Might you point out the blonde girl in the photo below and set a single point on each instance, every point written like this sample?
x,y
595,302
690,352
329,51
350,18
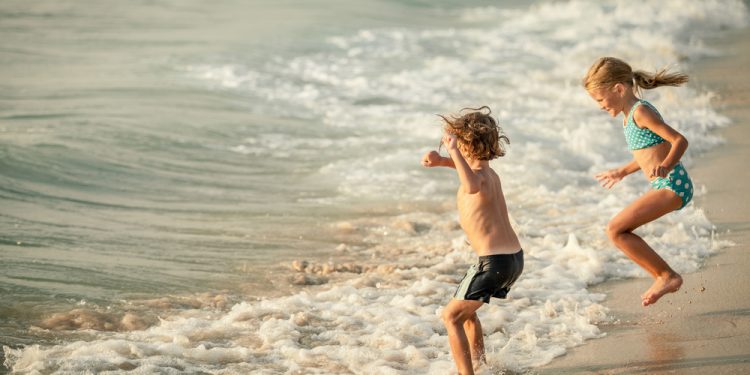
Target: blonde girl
x,y
657,149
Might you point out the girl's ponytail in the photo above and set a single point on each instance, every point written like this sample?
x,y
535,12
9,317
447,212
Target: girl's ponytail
x,y
648,81
609,71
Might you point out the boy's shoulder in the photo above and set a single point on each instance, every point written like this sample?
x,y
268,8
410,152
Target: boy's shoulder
x,y
491,175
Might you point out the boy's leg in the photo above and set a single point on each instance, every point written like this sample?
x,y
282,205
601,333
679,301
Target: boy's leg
x,y
649,207
474,334
454,316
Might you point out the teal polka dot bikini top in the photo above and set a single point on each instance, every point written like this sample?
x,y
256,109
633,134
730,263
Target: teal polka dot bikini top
x,y
638,138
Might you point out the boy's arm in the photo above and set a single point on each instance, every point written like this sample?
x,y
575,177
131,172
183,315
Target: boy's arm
x,y
433,159
470,182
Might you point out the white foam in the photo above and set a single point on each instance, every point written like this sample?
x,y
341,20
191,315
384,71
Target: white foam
x,y
387,329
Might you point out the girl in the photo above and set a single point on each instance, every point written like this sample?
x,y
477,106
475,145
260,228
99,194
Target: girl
x,y
657,149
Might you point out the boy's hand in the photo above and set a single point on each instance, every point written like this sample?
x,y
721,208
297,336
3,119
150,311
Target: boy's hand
x,y
431,159
609,178
450,141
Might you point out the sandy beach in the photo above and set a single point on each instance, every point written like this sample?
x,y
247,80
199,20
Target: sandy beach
x,y
705,327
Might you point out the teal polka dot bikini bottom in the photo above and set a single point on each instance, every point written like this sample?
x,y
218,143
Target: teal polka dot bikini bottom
x,y
678,181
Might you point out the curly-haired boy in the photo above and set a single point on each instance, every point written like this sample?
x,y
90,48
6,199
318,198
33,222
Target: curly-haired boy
x,y
473,139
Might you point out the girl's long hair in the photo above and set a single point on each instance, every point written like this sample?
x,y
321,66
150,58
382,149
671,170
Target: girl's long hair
x,y
609,71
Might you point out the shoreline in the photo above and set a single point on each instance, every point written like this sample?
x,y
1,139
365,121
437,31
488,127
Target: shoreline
x,y
705,327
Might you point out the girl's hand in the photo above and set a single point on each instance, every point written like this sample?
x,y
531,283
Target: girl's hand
x,y
450,141
659,171
431,159
609,178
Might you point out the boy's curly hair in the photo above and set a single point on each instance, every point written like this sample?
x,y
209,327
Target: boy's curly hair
x,y
477,133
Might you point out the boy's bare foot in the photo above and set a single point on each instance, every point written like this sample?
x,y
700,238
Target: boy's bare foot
x,y
660,287
478,363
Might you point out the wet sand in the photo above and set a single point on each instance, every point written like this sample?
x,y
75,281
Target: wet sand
x,y
705,327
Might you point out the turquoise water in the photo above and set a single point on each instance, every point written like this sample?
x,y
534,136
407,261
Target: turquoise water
x,y
123,175
167,167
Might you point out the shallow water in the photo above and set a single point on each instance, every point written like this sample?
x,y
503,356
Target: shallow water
x,y
165,163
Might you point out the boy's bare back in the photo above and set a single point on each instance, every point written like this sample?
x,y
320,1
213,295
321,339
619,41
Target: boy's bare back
x,y
484,216
472,140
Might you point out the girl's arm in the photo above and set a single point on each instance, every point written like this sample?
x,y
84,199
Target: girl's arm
x,y
433,159
649,119
630,168
611,177
470,181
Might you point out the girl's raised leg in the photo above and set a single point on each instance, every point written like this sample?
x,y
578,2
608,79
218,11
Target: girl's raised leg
x,y
649,207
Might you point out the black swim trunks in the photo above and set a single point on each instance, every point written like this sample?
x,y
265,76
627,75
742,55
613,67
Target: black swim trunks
x,y
492,276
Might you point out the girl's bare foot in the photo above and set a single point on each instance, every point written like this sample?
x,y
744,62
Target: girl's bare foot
x,y
661,286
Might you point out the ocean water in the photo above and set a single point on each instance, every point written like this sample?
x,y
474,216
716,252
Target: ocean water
x,y
234,187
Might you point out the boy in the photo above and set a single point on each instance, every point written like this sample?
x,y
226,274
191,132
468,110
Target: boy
x,y
474,139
